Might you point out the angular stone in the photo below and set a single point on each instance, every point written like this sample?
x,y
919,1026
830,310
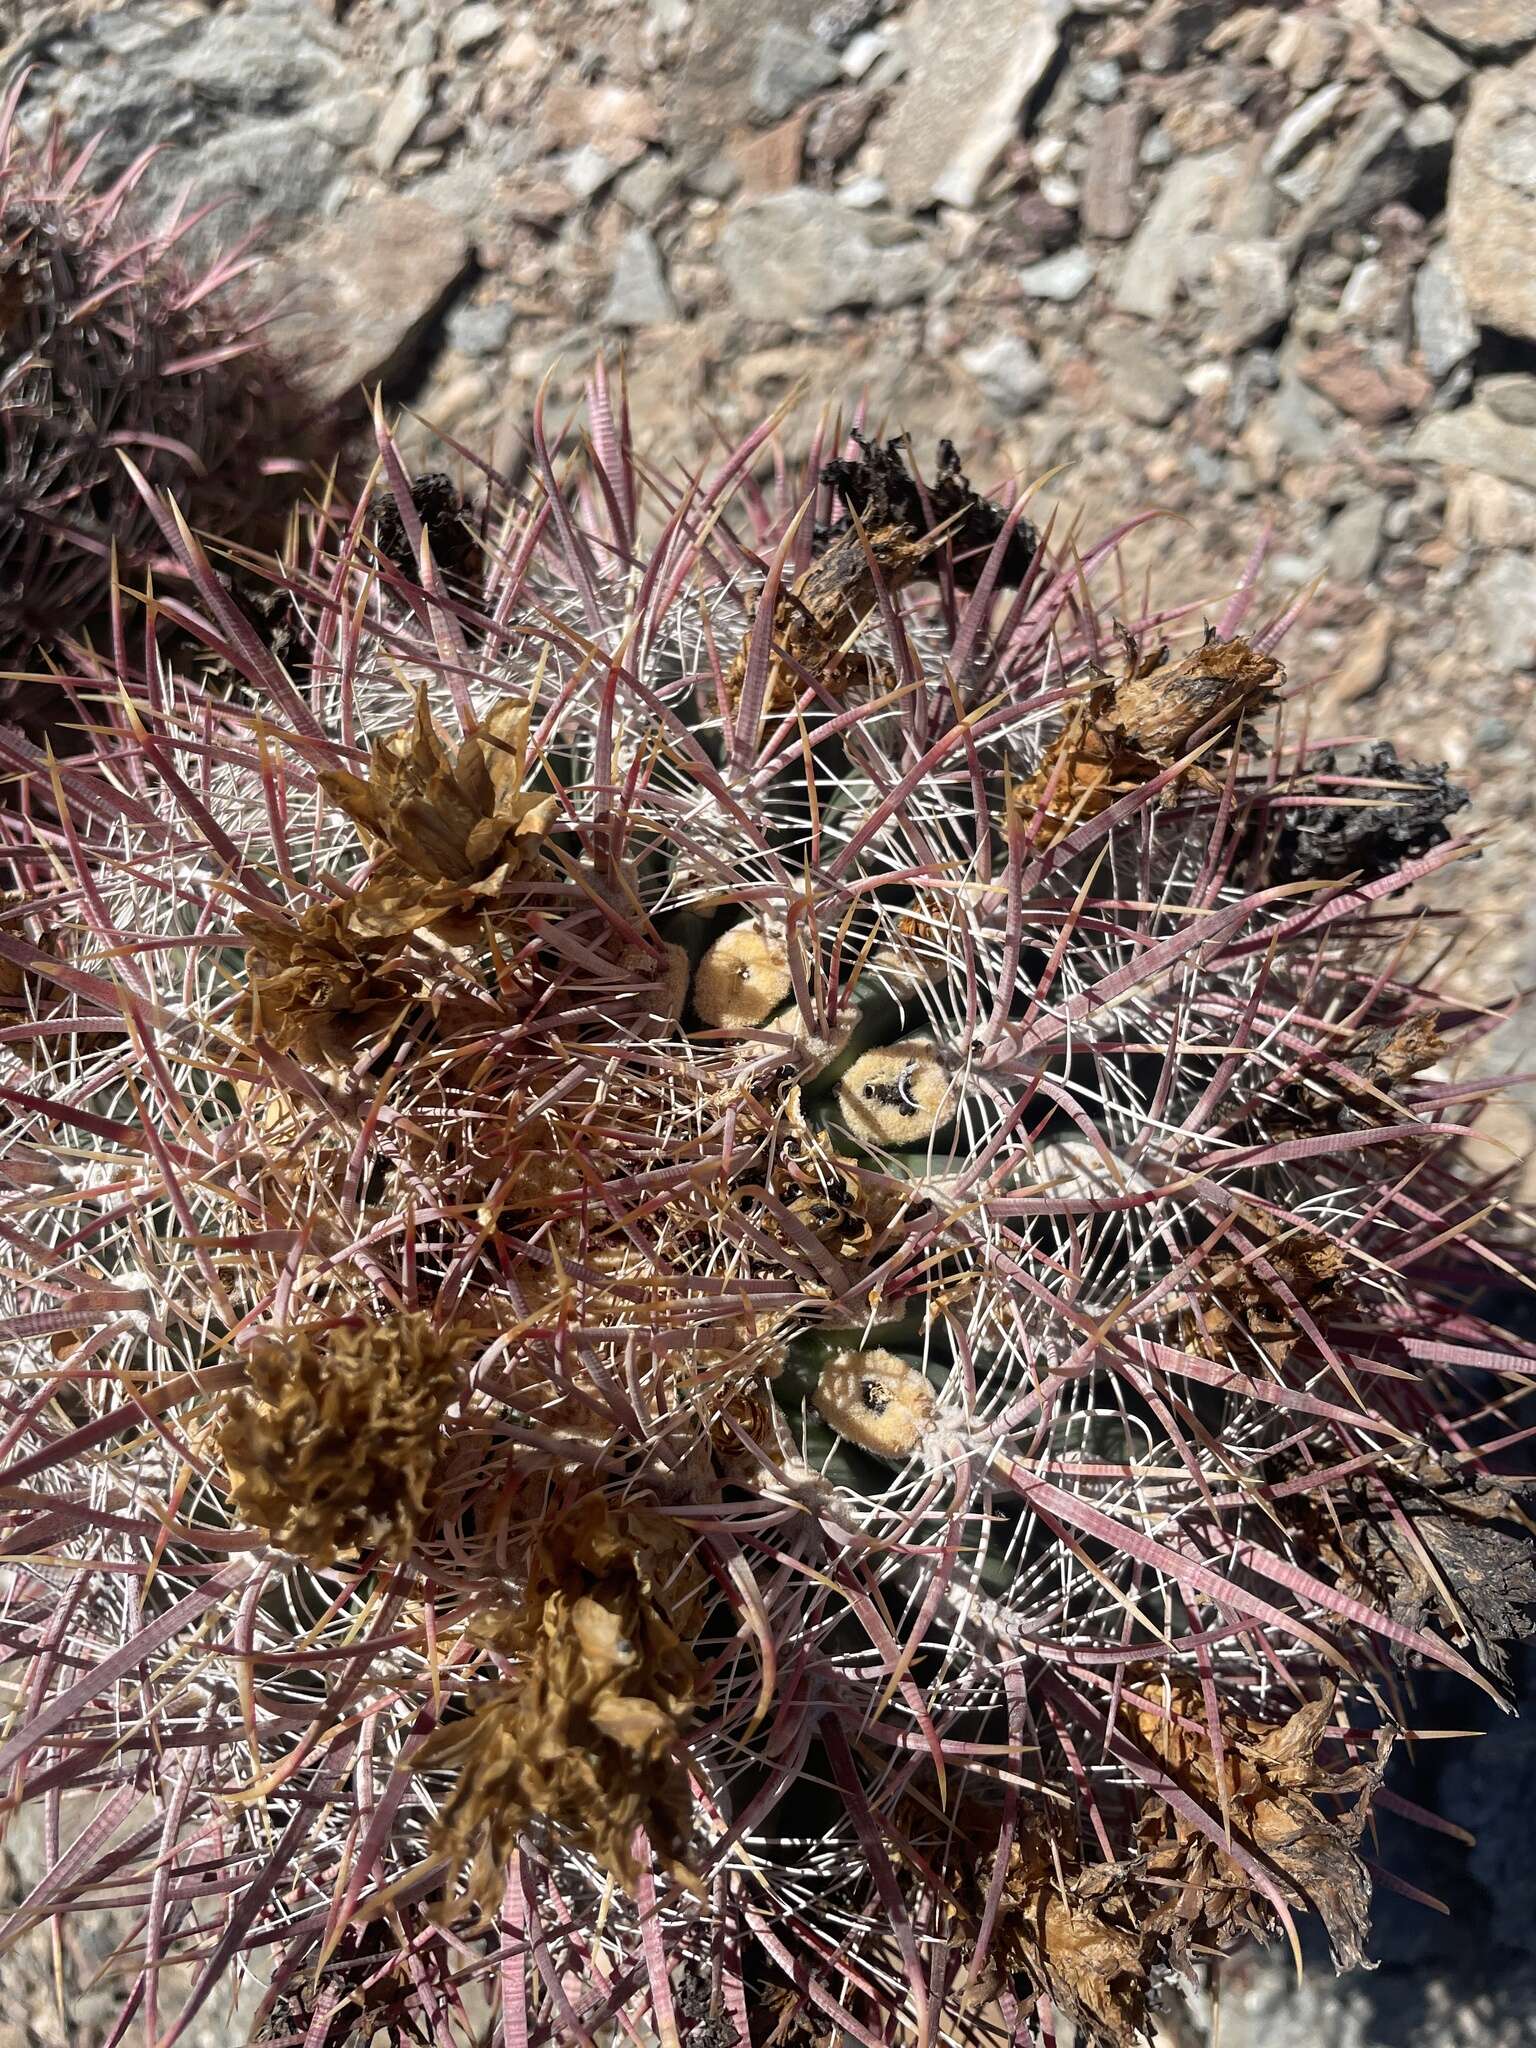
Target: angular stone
x,y
1484,511
768,160
1482,26
638,293
1008,372
1475,438
1512,396
1108,209
1062,277
1370,384
1191,196
480,330
789,68
1300,125
646,186
1353,540
1423,63
1443,326
1367,657
1140,382
1251,284
1504,598
473,25
366,286
1374,162
975,65
409,105
1491,210
802,253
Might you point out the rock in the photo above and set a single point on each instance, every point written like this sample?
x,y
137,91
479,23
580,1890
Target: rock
x,y
1108,209
1443,326
1374,301
1189,200
1375,162
645,188
1063,277
473,25
1373,384
1487,512
587,170
1491,209
1300,125
789,68
1251,284
347,120
1512,396
1173,32
840,21
1353,539
409,105
416,50
836,127
1482,26
615,118
802,254
1367,657
1100,82
480,330
638,294
768,160
975,64
1008,372
1476,438
1140,382
365,289
1423,63
1431,128
1307,48
1503,595
862,53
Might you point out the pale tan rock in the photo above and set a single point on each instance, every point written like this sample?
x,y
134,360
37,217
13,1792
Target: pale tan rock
x,y
1491,210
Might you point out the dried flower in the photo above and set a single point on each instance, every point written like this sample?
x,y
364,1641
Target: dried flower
x,y
334,1446
584,1739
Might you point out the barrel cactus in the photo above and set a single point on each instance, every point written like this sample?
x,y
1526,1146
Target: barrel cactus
x,y
110,344
740,1282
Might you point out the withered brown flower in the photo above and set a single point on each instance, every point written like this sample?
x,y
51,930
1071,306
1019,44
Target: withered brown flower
x,y
584,1736
317,986
458,816
334,1446
1129,731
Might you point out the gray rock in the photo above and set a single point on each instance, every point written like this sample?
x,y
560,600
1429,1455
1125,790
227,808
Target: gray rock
x,y
1251,284
862,54
1188,202
417,49
1473,437
789,68
473,25
638,294
1100,82
1374,301
1375,162
1503,595
1141,382
1443,326
586,171
480,330
1008,372
645,187
1301,125
365,288
800,254
1423,63
1353,539
1431,128
975,63
1482,26
840,21
257,61
409,105
347,120
1512,396
1063,277
1491,210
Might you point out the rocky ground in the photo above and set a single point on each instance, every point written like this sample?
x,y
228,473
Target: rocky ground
x,y
1268,267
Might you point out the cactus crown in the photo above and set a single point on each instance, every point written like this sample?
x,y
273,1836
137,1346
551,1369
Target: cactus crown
x,y
747,1303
